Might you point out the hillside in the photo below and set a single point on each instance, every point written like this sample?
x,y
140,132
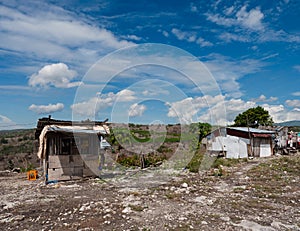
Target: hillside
x,y
17,149
293,123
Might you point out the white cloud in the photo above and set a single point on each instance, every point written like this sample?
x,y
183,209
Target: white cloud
x,y
190,37
100,102
45,109
232,108
252,19
229,10
229,37
125,96
7,124
228,71
248,26
193,8
57,75
203,43
165,33
277,112
136,110
263,98
245,19
296,93
211,109
133,37
297,67
5,120
293,115
293,103
47,31
186,110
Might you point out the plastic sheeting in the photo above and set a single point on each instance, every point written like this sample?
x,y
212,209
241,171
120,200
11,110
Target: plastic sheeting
x,y
104,130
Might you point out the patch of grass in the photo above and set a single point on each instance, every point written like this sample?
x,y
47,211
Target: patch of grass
x,y
271,178
151,159
195,162
171,195
27,168
137,208
238,190
130,160
227,162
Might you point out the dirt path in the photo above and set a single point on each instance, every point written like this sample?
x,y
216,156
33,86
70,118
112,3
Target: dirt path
x,y
257,195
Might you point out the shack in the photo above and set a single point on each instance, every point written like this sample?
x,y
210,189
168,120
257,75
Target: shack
x,y
70,150
242,142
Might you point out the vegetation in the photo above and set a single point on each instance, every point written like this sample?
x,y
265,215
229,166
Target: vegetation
x,y
135,160
201,130
254,117
16,141
17,148
195,162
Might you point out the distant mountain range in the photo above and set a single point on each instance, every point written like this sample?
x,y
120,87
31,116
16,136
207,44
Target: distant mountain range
x,y
293,123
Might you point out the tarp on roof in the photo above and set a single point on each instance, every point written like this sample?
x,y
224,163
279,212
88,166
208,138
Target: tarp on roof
x,y
103,130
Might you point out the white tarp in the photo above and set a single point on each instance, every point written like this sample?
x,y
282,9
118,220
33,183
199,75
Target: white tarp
x,y
265,150
104,129
234,147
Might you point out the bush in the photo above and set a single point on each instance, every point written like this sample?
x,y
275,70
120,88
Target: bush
x,y
195,162
3,141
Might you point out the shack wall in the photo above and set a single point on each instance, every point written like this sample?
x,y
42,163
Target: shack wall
x,y
69,157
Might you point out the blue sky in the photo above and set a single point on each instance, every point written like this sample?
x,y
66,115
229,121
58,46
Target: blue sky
x,y
205,61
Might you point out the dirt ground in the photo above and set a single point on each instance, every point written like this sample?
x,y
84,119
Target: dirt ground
x,y
260,194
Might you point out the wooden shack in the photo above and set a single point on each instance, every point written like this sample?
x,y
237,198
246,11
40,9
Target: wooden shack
x,y
259,141
70,150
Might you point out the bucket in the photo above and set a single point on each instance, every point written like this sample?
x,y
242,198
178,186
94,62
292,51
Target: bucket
x,y
32,174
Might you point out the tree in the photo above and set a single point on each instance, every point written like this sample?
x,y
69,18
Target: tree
x,y
202,129
253,117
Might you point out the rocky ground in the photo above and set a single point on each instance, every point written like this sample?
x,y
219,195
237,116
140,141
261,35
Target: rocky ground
x,y
260,194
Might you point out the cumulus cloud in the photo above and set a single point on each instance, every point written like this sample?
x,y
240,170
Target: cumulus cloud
x,y
58,75
211,109
246,19
125,95
226,117
100,102
45,109
136,110
277,112
293,103
263,98
293,115
251,19
187,109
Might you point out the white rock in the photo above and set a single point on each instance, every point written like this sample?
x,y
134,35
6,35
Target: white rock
x,y
184,185
126,210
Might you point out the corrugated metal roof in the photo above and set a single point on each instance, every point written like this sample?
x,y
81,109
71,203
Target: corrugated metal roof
x,y
252,130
